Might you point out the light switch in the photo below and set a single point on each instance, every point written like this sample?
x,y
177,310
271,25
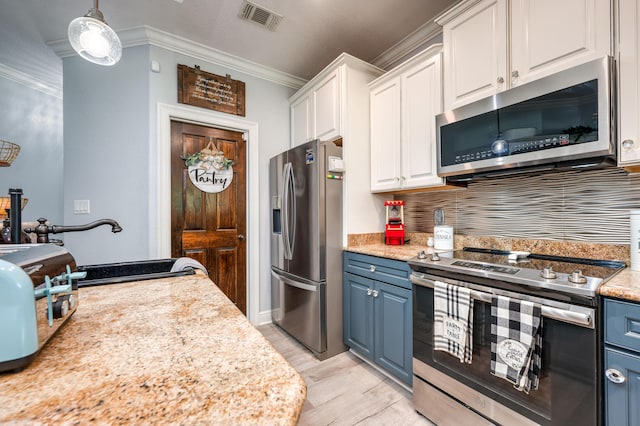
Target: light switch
x,y
81,207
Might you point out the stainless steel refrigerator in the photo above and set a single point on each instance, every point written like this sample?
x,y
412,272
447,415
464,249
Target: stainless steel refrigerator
x,y
306,245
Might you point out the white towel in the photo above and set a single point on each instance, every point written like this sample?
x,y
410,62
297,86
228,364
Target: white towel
x,y
516,342
183,263
453,320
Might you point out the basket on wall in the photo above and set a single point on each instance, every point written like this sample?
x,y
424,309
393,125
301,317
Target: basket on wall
x,y
8,152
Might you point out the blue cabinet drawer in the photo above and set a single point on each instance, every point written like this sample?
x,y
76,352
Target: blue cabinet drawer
x,y
622,324
378,268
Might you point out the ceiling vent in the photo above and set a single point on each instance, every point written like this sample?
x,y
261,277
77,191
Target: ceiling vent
x,y
259,15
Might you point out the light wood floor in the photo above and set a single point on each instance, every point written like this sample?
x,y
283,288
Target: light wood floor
x,y
344,390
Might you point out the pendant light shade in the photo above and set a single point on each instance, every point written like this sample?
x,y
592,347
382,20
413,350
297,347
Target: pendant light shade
x,y
93,39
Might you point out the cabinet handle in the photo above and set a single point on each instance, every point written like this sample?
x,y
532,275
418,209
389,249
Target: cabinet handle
x,y
615,376
369,291
372,268
500,80
627,144
375,293
515,74
404,178
397,179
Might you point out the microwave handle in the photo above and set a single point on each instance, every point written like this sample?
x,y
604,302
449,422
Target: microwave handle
x,y
583,318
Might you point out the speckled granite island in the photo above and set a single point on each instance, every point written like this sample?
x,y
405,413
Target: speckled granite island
x,y
167,351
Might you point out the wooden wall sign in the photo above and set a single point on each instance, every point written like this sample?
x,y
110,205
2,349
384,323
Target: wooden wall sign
x,y
206,90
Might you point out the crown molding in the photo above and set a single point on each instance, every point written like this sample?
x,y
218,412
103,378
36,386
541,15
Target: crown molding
x,y
408,46
143,35
30,81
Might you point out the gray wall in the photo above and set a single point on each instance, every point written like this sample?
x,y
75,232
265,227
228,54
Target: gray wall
x,y
106,125
33,120
110,116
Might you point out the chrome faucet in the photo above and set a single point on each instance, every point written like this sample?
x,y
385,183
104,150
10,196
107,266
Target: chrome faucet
x,y
43,230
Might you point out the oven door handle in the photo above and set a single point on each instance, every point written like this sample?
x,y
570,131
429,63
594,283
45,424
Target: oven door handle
x,y
577,315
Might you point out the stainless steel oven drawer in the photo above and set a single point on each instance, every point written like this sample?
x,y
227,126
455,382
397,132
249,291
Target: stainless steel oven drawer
x,y
435,407
449,412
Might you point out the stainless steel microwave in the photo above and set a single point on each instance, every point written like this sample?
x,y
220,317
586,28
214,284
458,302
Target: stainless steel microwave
x,y
563,120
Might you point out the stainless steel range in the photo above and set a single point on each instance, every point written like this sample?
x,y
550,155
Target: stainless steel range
x,y
449,391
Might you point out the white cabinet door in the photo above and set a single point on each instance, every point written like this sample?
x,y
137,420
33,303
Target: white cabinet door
x,y
548,36
326,99
475,53
385,136
482,57
629,87
421,101
301,114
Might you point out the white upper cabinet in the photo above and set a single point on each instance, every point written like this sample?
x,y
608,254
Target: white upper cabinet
x,y
475,52
628,84
301,120
326,98
318,109
483,57
385,135
404,104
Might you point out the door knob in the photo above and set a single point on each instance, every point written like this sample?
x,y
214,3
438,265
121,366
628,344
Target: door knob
x,y
241,237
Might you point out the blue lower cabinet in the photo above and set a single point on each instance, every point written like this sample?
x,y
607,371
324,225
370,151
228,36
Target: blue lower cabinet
x,y
358,311
622,387
377,314
622,362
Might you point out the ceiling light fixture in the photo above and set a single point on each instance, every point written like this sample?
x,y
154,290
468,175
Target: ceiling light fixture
x,y
93,39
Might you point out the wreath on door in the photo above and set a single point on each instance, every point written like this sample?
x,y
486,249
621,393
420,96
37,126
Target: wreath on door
x,y
209,170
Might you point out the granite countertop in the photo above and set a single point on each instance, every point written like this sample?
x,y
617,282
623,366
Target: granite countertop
x,y
155,352
625,285
399,252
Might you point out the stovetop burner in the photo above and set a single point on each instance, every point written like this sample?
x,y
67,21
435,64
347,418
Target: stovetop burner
x,y
565,274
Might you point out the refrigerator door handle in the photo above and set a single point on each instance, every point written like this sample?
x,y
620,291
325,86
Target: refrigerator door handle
x,y
302,286
285,211
292,235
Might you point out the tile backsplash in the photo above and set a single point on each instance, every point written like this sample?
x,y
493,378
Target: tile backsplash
x,y
590,206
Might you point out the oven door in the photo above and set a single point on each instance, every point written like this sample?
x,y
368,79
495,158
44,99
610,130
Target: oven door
x,y
569,386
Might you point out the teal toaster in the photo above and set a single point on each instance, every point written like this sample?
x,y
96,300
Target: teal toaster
x,y
39,287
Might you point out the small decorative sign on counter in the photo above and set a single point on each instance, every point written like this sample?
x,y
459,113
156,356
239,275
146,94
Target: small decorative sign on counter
x,y
211,91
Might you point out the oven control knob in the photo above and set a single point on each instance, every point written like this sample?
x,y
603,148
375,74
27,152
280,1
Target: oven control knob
x,y
548,273
435,257
576,277
500,147
422,255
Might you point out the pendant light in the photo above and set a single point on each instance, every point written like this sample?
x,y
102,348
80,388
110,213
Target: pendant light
x,y
93,39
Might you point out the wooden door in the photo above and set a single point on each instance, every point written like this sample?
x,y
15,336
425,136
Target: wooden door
x,y
210,227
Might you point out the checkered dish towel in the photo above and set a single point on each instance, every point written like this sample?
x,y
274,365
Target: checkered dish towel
x,y
516,342
453,320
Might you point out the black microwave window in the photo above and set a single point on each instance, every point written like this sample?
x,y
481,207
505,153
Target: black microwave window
x,y
564,117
